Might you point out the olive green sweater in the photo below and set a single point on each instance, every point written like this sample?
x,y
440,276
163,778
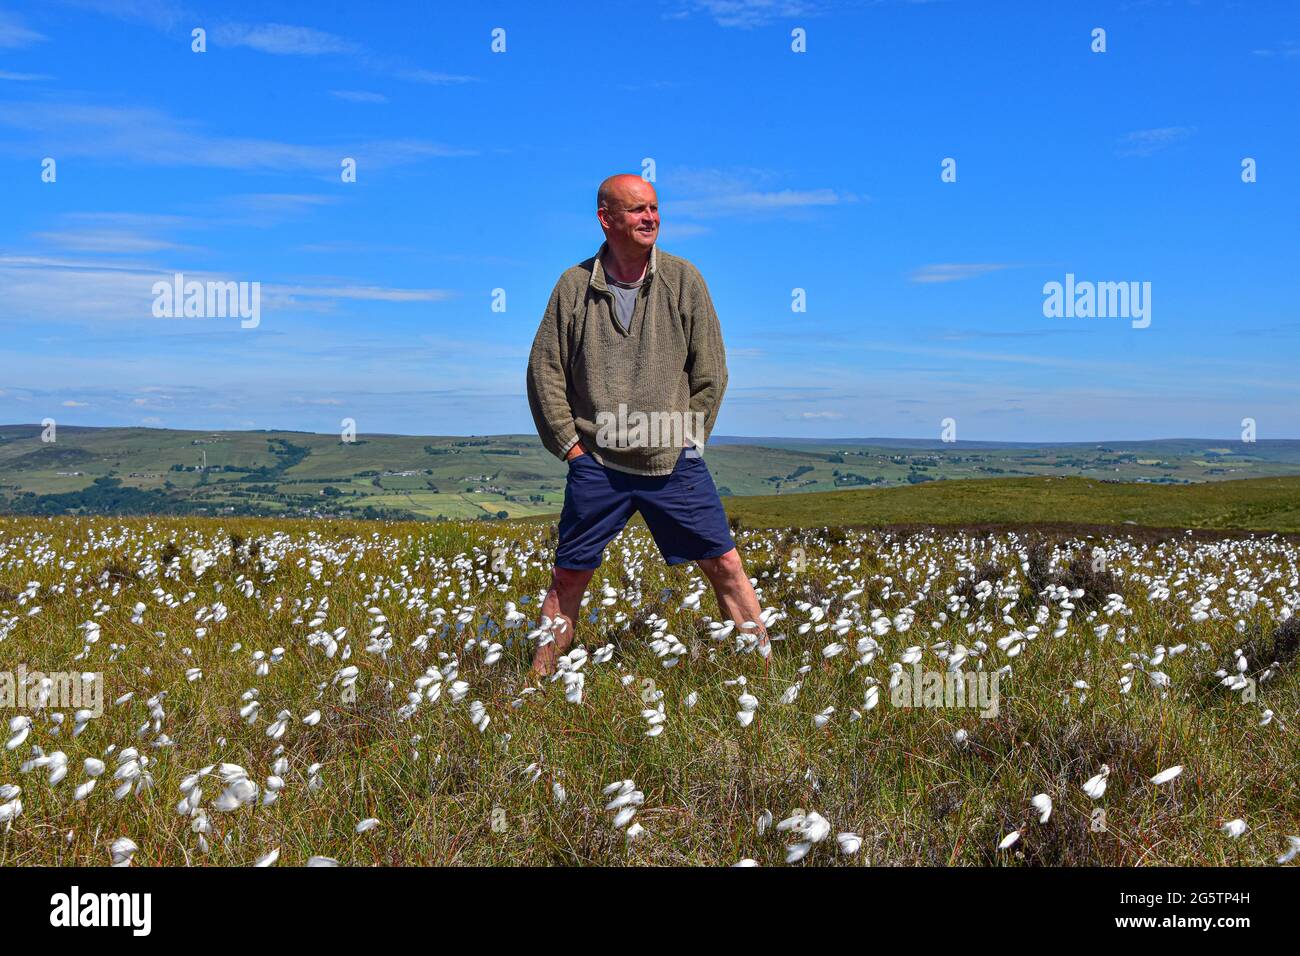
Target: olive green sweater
x,y
668,370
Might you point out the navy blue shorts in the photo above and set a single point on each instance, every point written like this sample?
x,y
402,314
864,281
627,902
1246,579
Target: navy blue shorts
x,y
682,510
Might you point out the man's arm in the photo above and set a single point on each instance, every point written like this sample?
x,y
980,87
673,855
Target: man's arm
x,y
548,396
706,362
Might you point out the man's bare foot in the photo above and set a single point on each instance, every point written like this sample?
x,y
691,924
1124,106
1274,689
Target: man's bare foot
x,y
545,660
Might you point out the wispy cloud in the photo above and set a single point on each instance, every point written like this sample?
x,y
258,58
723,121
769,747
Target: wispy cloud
x,y
276,39
1144,142
359,96
130,233
434,78
150,137
88,289
1287,48
745,14
962,335
115,241
24,77
714,193
755,201
816,416
281,39
956,271
13,34
278,206
676,230
363,293
162,15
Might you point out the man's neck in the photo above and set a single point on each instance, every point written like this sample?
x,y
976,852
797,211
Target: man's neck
x,y
630,269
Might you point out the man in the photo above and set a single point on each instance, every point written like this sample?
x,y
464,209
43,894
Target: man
x,y
625,378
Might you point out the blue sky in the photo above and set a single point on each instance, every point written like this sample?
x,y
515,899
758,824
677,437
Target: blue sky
x,y
776,170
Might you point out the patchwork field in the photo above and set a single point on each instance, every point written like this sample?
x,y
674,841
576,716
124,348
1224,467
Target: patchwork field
x,y
128,471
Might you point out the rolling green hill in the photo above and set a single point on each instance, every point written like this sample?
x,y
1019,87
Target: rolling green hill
x,y
167,471
1257,504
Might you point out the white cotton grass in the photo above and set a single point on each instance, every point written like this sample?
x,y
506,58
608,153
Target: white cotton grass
x,y
625,799
748,704
1234,828
1095,787
808,828
656,719
11,805
1166,775
123,851
283,653
1042,804
1291,852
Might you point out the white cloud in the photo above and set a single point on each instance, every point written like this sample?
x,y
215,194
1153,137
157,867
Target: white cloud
x,y
715,193
754,201
1144,142
14,34
276,39
106,240
92,290
747,14
956,271
150,137
1287,48
281,39
364,293
359,96
435,78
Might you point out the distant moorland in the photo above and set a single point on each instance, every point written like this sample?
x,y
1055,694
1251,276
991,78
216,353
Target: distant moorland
x,y
287,473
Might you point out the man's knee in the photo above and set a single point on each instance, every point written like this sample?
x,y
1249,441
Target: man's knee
x,y
723,567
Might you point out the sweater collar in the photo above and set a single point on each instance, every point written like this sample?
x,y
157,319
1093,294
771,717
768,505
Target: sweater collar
x,y
597,280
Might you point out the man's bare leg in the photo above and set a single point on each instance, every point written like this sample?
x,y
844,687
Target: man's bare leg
x,y
736,597
563,604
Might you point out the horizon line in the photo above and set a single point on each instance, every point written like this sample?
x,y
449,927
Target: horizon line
x,y
715,439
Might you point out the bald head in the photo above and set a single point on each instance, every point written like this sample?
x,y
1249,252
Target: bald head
x,y
623,189
628,209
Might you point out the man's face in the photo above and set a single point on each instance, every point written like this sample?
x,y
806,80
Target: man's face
x,y
632,219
